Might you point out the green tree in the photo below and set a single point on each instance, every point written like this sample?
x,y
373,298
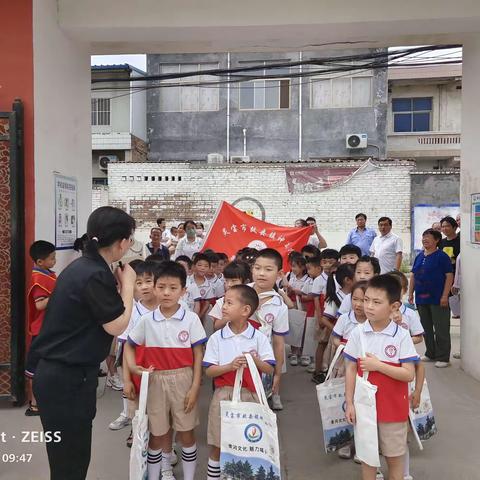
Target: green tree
x,y
261,473
271,474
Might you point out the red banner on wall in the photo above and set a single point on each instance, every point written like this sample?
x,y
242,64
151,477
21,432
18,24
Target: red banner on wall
x,y
233,230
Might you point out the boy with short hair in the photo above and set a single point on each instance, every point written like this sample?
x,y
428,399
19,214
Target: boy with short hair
x,y
42,283
191,299
350,254
225,355
310,251
235,273
389,358
271,317
216,282
201,267
172,340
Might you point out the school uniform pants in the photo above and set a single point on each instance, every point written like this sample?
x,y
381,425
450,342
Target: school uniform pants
x,y
66,397
436,323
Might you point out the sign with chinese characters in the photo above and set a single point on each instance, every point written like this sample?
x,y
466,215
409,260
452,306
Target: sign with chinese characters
x,y
317,179
66,212
232,230
475,235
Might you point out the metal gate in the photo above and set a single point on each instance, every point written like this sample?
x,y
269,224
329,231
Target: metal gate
x,y
12,255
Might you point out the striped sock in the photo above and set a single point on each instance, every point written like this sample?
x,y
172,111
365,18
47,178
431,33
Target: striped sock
x,y
189,461
154,464
213,472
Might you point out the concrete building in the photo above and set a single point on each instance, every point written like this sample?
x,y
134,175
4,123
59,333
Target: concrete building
x,y
118,119
424,115
274,120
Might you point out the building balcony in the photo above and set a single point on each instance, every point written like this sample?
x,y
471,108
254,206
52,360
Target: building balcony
x,y
424,145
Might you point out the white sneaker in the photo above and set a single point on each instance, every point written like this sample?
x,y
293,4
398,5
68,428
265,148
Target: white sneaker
x,y
168,475
173,458
356,459
424,358
379,475
311,368
407,477
121,422
305,361
345,452
457,356
115,382
276,402
442,364
293,360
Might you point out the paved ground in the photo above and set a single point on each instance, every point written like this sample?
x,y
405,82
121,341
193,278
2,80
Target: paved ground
x,y
452,454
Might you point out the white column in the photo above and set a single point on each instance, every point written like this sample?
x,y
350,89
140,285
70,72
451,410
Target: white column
x,y
62,132
470,183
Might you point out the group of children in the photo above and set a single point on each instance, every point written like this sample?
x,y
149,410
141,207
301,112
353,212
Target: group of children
x,y
244,305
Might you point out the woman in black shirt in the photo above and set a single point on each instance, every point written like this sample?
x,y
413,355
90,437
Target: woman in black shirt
x,y
88,307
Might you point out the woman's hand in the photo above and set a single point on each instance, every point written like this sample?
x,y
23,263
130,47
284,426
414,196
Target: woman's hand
x,y
126,276
444,301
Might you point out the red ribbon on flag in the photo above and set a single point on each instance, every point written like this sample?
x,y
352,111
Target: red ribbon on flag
x,y
233,230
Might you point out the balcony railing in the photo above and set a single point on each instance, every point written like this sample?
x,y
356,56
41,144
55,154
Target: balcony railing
x,y
424,144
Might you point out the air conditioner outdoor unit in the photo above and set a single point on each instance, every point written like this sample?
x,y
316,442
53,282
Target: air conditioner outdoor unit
x,y
240,159
214,158
104,160
356,141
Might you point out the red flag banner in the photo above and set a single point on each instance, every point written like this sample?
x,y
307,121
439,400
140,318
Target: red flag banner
x,y
233,230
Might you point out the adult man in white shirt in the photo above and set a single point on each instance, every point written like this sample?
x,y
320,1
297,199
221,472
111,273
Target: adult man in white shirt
x,y
316,238
388,247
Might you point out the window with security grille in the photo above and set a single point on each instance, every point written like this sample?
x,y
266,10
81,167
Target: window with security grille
x,y
100,111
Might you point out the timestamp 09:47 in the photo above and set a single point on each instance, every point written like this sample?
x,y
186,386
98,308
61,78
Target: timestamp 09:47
x,y
13,458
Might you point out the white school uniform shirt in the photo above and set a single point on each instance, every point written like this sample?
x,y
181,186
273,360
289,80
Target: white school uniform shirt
x,y
411,321
224,346
385,248
272,316
307,286
184,247
346,304
168,342
217,284
205,289
313,240
319,286
216,311
137,311
297,283
331,310
346,323
192,295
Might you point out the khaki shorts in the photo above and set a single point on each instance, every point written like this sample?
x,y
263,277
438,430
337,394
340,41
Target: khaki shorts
x,y
223,393
167,390
392,438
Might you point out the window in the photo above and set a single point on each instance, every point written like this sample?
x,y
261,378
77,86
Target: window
x,y
412,114
100,111
268,94
191,98
341,91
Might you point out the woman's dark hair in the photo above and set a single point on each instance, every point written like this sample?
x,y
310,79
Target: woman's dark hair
x,y
222,256
344,271
300,260
107,225
79,243
434,233
238,269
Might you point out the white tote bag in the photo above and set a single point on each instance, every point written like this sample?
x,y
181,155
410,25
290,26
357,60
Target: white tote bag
x,y
296,325
365,428
249,435
422,418
139,451
337,432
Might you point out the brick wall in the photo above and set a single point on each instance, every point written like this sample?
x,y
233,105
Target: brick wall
x,y
195,191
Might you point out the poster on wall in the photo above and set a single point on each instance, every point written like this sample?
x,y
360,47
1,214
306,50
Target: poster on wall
x,y
66,212
475,237
426,215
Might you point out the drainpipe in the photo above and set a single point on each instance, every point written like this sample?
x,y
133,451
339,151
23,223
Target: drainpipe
x,y
300,108
228,107
244,142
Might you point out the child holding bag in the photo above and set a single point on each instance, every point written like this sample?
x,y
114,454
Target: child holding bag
x,y
385,352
